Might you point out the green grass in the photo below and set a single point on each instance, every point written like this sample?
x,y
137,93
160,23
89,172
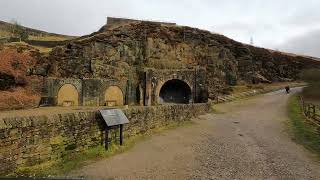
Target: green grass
x,y
39,37
4,34
41,49
50,38
304,132
73,161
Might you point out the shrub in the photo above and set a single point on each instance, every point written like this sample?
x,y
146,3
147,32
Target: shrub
x,y
231,78
312,77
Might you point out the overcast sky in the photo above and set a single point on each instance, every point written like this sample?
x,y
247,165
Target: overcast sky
x,y
289,25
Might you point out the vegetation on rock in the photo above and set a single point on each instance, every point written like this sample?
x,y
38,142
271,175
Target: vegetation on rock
x,y
18,89
121,53
139,45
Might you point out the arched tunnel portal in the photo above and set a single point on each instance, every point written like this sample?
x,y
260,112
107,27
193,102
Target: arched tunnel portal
x,y
175,91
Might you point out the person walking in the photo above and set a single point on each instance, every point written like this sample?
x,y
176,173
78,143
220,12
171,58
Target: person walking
x,y
287,89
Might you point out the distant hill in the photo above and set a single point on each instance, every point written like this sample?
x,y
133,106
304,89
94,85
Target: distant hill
x,y
34,34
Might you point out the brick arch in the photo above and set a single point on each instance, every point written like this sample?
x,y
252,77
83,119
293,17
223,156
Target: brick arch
x,y
68,95
163,83
114,96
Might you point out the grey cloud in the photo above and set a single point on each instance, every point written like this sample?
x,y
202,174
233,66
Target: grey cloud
x,y
307,44
309,17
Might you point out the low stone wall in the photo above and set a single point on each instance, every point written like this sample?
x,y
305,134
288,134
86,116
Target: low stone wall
x,y
48,44
29,141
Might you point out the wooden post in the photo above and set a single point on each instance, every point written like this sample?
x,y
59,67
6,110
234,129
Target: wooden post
x,y
314,111
121,134
107,138
303,106
310,110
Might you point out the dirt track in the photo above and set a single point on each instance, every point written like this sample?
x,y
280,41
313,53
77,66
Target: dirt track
x,y
248,139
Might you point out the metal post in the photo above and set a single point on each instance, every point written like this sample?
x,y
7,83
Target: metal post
x,y
121,134
107,138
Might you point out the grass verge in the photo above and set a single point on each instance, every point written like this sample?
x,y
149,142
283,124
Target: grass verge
x,y
73,161
304,132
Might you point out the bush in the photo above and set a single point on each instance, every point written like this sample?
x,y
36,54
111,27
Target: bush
x,y
6,81
312,77
231,78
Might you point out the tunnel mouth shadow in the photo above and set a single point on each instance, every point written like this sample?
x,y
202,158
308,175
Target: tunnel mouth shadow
x,y
175,92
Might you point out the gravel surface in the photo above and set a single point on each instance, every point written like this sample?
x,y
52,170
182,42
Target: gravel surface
x,y
246,139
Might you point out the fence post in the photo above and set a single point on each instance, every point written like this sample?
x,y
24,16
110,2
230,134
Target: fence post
x,y
314,111
304,108
303,105
309,110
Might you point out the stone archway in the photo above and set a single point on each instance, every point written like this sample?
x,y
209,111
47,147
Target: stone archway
x,y
113,96
68,95
175,91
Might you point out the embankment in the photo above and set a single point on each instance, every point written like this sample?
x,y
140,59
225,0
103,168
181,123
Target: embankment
x,y
31,141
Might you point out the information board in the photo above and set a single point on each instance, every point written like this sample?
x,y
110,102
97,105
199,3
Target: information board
x,y
114,117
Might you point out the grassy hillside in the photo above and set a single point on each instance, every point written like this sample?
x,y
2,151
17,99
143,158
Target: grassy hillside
x,y
34,34
18,89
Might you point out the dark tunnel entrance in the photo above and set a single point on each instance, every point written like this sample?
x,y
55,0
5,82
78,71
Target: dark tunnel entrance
x,y
175,91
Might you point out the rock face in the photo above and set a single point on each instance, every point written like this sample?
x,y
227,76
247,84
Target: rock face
x,y
121,52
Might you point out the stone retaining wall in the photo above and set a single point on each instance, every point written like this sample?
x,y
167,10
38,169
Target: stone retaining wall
x,y
29,141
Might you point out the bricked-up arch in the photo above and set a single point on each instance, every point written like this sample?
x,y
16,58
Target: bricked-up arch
x,y
68,96
113,96
175,91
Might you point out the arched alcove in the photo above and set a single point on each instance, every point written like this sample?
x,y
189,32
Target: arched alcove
x,y
68,95
113,96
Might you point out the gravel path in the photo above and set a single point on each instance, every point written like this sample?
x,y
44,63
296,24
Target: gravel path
x,y
248,139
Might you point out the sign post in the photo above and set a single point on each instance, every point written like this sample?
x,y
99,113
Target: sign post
x,y
114,119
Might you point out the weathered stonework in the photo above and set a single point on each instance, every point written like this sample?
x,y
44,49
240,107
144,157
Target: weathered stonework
x,y
145,90
29,141
154,80
123,52
113,22
91,91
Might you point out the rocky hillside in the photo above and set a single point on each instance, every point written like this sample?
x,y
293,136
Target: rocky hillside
x,y
121,52
7,28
